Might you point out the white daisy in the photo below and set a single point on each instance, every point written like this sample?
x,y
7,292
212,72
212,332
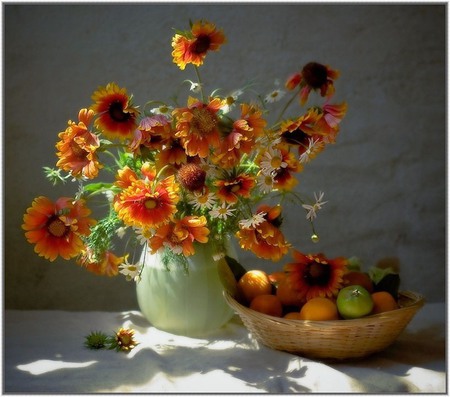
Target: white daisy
x,y
274,96
313,147
265,182
142,235
130,271
200,200
312,209
222,212
252,222
230,101
163,109
272,161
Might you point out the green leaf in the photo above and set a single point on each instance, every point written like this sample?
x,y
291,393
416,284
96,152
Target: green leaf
x,y
92,187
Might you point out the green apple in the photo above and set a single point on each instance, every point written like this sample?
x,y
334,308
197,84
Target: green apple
x,y
354,301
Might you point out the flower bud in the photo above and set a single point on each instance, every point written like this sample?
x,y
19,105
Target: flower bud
x,y
192,177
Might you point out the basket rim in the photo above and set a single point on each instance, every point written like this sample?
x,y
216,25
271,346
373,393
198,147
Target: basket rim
x,y
416,302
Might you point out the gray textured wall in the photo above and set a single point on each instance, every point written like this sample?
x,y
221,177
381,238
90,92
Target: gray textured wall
x,y
384,179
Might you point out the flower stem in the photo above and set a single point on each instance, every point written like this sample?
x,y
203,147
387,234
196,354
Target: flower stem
x,y
200,83
286,107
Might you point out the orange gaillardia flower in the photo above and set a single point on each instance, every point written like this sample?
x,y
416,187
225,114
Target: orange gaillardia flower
x,y
197,126
107,265
314,76
283,176
239,139
180,235
230,189
328,123
116,115
171,154
192,46
314,276
148,203
304,131
77,147
152,133
124,340
56,227
265,239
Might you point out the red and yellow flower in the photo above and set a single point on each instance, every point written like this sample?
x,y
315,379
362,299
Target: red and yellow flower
x,y
314,275
284,176
241,139
192,46
198,126
180,235
107,265
77,147
152,133
172,154
116,116
265,239
230,189
147,203
313,76
57,228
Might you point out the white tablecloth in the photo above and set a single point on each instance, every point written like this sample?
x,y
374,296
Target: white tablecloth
x,y
44,353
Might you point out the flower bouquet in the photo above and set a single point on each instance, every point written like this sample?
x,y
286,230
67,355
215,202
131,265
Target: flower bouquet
x,y
172,177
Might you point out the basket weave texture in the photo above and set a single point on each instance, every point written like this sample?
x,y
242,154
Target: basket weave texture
x,y
338,339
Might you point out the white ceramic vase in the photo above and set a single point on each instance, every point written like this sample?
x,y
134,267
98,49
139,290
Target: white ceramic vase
x,y
189,303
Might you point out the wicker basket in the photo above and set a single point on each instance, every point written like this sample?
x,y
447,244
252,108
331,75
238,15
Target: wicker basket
x,y
338,339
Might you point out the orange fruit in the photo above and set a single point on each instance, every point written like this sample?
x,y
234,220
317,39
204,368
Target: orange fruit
x,y
267,304
254,283
293,316
357,278
319,309
287,295
383,302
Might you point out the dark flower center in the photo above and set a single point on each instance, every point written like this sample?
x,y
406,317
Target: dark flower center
x,y
314,74
116,112
201,44
317,274
56,227
296,137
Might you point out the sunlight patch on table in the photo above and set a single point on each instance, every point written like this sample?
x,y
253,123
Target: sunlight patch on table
x,y
43,366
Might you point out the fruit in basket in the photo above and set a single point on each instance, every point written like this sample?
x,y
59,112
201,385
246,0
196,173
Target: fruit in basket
x,y
383,301
288,295
254,283
292,316
267,304
354,301
358,278
319,309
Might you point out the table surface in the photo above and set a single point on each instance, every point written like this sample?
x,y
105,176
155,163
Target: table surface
x,y
44,353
